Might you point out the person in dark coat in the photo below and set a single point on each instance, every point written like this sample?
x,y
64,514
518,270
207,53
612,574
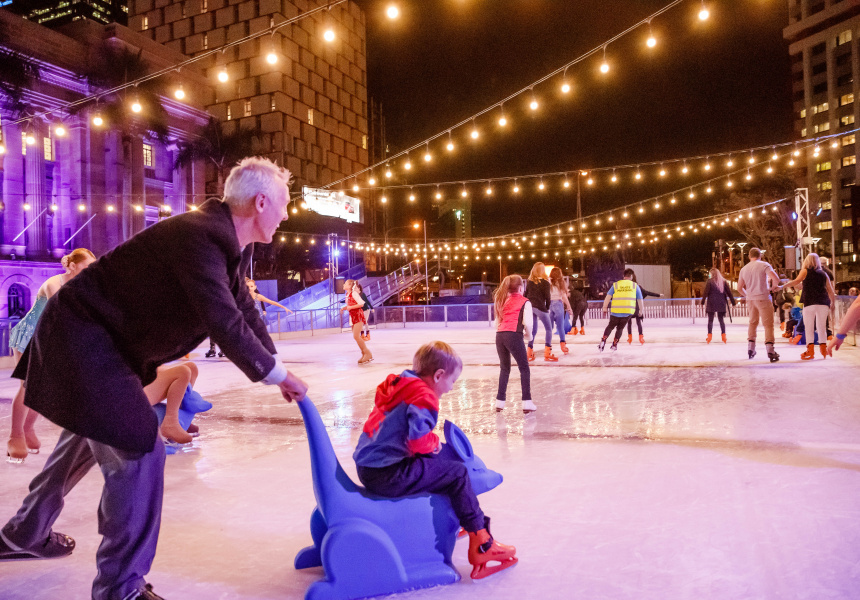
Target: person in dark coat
x,y
638,314
101,338
714,298
579,305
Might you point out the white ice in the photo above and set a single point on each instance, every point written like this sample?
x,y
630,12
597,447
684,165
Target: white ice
x,y
671,470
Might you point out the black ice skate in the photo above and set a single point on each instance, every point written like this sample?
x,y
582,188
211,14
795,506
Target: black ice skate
x,y
751,348
771,353
210,353
602,344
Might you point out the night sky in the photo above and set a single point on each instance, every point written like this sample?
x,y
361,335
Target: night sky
x,y
706,87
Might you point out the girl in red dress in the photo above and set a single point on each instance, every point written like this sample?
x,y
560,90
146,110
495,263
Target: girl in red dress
x,y
357,320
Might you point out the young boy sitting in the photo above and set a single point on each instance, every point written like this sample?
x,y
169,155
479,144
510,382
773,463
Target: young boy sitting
x,y
397,452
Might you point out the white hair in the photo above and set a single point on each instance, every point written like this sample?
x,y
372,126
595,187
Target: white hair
x,y
254,175
812,261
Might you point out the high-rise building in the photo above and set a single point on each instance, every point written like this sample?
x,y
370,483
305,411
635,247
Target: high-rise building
x,y
824,38
53,13
307,95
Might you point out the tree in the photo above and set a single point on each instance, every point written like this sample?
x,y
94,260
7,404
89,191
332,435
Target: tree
x,y
16,74
219,149
774,229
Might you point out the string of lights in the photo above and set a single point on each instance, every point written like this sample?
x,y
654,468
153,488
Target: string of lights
x,y
534,104
547,242
179,93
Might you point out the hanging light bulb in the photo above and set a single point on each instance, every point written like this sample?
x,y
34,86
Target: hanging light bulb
x,y
464,193
392,12
704,13
774,156
427,156
638,176
651,41
685,169
97,120
388,173
372,180
412,197
135,106
271,58
60,131
408,164
730,162
604,67
489,190
662,171
475,132
328,35
707,165
355,187
516,187
222,75
2,149
614,176
383,199
179,93
541,186
751,159
534,103
450,145
589,181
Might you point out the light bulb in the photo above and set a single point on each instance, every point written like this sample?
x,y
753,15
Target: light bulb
x,y
412,197
652,41
329,35
60,131
776,156
516,189
438,195
751,160
662,172
533,105
604,68
30,139
355,188
464,193
707,166
638,176
110,208
2,149
222,75
383,199
489,191
389,174
271,58
566,184
98,121
82,207
541,186
685,170
392,12
565,87
704,14
450,146
136,107
475,134
372,180
26,206
179,94
408,165
731,163
428,157
614,178
55,208
502,121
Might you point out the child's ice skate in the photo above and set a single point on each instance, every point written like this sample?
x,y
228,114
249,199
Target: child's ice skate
x,y
210,353
367,336
500,405
564,347
724,338
530,353
33,443
365,358
528,407
483,549
582,330
771,353
708,339
810,352
821,347
614,346
630,338
548,356
602,344
16,450
641,339
751,348
574,331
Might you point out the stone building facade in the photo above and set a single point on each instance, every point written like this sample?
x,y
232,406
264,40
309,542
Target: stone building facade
x,y
66,183
311,104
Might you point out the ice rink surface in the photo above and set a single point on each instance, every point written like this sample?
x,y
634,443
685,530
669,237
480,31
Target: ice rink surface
x,y
671,470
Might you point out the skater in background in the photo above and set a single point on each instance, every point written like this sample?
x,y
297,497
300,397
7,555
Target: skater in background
x,y
398,454
171,383
579,306
258,297
22,438
638,315
559,305
538,293
367,307
357,320
714,299
513,328
621,302
755,282
848,322
817,296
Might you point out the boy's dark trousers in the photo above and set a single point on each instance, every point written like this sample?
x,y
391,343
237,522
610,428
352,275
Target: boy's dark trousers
x,y
421,474
616,321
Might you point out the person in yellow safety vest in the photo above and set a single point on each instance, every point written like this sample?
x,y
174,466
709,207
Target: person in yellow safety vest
x,y
621,303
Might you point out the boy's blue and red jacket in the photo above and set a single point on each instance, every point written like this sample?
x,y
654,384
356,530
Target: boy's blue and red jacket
x,y
401,424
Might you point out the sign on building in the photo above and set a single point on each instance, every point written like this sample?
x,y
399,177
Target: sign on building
x,y
332,204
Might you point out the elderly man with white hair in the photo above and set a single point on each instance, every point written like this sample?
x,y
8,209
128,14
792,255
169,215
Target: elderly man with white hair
x,y
149,301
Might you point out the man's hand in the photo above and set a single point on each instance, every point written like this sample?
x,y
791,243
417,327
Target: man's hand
x,y
833,344
293,388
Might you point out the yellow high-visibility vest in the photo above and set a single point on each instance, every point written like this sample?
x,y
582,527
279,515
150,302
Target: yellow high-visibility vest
x,y
623,297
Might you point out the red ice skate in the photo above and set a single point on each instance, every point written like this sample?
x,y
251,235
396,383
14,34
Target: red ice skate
x,y
483,549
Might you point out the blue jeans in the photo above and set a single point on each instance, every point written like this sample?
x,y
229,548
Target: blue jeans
x,y
129,511
547,326
421,474
557,314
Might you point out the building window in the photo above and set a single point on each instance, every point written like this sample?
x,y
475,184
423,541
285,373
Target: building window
x,y
24,143
848,140
145,24
845,79
364,142
229,113
310,116
49,147
825,226
847,120
847,161
823,166
205,6
847,182
821,127
147,155
803,132
819,68
843,38
274,106
819,108
847,246
206,41
18,300
247,108
846,99
803,113
826,205
823,187
184,11
846,222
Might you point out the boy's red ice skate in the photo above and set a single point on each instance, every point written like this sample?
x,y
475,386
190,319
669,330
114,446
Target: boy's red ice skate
x,y
483,549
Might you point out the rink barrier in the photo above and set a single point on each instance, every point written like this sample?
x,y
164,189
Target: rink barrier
x,y
456,314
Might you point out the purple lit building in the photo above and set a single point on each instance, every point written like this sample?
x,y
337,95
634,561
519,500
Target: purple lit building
x,y
67,183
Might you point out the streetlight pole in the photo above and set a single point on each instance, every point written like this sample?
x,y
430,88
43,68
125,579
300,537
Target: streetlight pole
x,y
579,222
426,263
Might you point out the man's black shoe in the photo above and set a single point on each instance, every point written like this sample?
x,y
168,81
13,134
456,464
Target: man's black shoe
x,y
145,594
56,546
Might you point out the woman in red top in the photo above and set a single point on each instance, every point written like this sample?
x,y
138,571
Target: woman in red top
x,y
513,328
355,306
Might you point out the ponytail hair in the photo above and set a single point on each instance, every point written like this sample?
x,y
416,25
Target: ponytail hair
x,y
76,256
510,285
557,280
